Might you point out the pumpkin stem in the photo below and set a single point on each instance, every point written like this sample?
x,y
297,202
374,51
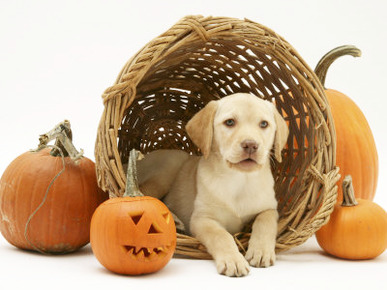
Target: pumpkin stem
x,y
348,192
132,189
326,61
63,135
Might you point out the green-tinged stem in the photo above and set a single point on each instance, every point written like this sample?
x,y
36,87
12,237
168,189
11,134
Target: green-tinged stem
x,y
348,192
326,61
132,189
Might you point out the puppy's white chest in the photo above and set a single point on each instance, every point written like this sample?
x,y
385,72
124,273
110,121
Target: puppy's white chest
x,y
236,200
248,197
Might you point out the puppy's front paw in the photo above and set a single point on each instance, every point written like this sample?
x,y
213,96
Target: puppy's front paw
x,y
233,265
260,257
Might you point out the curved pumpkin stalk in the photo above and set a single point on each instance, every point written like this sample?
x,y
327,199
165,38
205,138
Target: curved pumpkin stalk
x,y
326,61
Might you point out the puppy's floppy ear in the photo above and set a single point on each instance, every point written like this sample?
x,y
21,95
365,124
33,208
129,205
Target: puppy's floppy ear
x,y
200,127
281,135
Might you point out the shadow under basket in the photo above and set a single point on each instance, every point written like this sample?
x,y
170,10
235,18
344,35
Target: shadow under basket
x,y
200,59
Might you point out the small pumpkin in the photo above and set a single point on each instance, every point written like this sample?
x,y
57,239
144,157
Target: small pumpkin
x,y
355,145
46,201
356,230
133,234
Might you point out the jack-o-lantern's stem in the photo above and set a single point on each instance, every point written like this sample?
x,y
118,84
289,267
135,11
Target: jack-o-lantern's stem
x,y
326,61
132,189
348,192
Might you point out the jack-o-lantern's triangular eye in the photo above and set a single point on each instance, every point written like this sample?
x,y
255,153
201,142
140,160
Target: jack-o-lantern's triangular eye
x,y
154,229
136,217
167,217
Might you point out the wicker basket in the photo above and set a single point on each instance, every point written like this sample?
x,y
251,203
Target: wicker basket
x,y
204,58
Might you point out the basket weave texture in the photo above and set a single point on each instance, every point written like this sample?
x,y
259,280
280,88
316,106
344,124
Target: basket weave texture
x,y
200,59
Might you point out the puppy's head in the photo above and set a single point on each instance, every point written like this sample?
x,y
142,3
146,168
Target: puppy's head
x,y
241,128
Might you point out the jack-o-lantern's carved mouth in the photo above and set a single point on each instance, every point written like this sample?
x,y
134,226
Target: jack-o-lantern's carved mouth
x,y
147,254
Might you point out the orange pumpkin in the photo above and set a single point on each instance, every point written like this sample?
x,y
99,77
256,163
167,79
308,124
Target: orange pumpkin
x,y
49,214
133,234
356,229
356,150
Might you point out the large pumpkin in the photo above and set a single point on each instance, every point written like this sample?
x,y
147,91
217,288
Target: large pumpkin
x,y
133,234
46,208
356,150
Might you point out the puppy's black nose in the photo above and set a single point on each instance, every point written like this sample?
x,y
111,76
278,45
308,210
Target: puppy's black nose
x,y
249,146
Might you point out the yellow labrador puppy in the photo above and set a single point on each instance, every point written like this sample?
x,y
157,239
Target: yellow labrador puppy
x,y
230,185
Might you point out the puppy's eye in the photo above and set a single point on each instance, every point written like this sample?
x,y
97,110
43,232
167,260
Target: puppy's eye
x,y
229,122
263,124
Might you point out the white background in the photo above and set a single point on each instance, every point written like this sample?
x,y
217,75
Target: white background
x,y
57,58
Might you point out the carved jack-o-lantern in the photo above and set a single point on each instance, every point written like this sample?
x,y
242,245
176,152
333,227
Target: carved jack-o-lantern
x,y
133,234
